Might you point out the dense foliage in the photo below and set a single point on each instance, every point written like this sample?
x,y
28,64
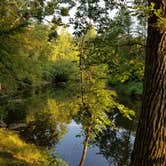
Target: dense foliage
x,y
103,56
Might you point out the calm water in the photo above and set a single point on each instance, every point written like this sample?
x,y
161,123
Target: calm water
x,y
70,149
46,118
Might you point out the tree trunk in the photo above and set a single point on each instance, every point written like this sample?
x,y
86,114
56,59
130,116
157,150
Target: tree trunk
x,y
86,142
150,143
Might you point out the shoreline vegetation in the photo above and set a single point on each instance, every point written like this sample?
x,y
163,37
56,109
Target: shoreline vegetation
x,y
15,151
49,77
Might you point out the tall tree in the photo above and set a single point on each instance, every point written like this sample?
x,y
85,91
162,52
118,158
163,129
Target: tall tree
x,y
150,143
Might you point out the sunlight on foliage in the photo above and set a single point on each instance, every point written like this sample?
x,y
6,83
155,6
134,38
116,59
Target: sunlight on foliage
x,y
17,152
64,48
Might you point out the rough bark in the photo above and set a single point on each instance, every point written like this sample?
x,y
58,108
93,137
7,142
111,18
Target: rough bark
x,y
150,143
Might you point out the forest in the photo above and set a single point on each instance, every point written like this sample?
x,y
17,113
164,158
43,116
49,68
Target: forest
x,y
82,82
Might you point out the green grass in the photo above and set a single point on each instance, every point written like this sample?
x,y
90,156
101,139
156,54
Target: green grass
x,y
15,152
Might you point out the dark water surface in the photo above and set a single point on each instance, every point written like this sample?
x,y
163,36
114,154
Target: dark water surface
x,y
46,118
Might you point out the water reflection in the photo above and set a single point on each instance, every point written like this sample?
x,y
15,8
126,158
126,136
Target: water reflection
x,y
40,117
112,147
71,146
43,117
116,144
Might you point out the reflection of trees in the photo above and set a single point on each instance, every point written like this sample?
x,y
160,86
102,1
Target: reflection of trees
x,y
43,133
14,107
16,152
45,111
14,112
46,124
47,116
116,144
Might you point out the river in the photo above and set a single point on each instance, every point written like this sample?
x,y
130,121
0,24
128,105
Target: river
x,y
48,118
